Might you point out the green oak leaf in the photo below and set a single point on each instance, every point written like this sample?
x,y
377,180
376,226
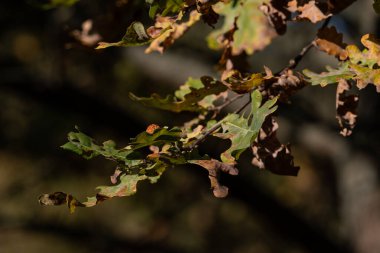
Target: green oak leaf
x,y
330,76
361,66
368,56
242,131
85,146
158,138
126,187
190,100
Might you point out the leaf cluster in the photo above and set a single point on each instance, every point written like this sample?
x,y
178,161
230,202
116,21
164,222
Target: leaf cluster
x,y
247,26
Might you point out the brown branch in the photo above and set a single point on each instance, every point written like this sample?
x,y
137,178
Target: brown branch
x,y
228,102
216,126
293,63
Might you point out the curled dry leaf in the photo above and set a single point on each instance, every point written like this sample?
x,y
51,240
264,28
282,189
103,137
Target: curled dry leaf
x,y
270,154
282,86
331,42
316,10
214,168
280,11
311,12
169,30
242,84
346,107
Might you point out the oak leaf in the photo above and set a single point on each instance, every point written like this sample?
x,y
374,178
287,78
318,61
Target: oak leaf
x,y
243,131
214,168
253,30
270,154
331,42
186,101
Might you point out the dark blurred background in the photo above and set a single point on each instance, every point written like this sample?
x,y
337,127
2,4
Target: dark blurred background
x,y
50,82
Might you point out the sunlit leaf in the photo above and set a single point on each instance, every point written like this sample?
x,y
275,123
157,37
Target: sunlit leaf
x,y
243,131
330,76
331,42
190,101
253,33
167,30
360,66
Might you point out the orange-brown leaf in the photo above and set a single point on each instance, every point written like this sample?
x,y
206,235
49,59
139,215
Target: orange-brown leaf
x,y
331,42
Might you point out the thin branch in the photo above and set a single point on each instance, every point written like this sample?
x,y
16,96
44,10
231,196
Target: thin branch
x,y
215,127
293,63
228,102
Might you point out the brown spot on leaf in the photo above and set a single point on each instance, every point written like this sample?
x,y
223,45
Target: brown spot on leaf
x,y
152,128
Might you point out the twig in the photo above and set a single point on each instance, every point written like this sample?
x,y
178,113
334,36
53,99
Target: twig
x,y
228,102
216,126
296,60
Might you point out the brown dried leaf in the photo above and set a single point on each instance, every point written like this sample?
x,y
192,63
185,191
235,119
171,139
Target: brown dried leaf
x,y
214,168
331,42
209,16
174,30
270,154
346,106
282,86
316,10
311,12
